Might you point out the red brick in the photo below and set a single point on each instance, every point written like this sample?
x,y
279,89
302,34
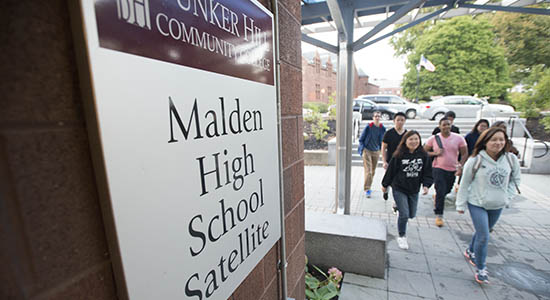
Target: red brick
x,y
300,137
271,263
293,180
253,286
327,80
298,186
58,202
39,80
294,228
290,141
291,90
293,6
272,290
299,292
296,266
290,38
94,286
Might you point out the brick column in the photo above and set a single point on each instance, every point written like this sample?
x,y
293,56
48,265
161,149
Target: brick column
x,y
263,283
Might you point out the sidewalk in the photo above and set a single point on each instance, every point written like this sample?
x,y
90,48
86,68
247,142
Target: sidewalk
x,y
433,267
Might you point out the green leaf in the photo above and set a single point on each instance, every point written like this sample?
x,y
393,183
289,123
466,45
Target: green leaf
x,y
312,282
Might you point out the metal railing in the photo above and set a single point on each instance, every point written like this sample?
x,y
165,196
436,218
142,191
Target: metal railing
x,y
511,123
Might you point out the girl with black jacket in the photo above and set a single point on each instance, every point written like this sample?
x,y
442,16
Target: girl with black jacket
x,y
409,168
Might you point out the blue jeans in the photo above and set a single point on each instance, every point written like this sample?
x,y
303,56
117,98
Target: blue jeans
x,y
406,204
483,220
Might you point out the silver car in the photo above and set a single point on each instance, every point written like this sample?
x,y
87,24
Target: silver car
x,y
391,101
463,106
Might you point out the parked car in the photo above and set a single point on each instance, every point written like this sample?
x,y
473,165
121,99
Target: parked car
x,y
367,109
463,106
391,101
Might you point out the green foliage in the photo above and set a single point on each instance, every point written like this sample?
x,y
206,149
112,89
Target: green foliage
x,y
467,59
317,106
332,105
325,289
404,43
525,38
537,97
319,126
546,123
541,90
521,103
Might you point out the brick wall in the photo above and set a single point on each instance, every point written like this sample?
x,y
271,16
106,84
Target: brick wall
x,y
326,79
53,238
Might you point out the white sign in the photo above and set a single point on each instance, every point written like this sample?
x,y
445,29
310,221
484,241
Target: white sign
x,y
187,117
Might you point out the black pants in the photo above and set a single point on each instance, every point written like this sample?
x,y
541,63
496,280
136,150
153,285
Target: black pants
x,y
444,181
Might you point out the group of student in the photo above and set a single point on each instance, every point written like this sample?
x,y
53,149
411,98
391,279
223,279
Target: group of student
x,y
488,174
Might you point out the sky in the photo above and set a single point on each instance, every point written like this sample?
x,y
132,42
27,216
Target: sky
x,y
377,60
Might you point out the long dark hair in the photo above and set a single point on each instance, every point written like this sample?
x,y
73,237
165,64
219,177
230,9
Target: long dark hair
x,y
485,136
474,130
402,148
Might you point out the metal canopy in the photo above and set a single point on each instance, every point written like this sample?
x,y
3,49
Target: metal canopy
x,y
343,16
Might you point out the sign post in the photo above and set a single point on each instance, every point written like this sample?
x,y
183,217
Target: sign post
x,y
183,101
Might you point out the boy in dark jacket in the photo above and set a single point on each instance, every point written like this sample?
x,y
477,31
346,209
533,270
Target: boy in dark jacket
x,y
409,169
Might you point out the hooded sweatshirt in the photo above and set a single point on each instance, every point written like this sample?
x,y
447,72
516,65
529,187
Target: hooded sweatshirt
x,y
492,187
408,172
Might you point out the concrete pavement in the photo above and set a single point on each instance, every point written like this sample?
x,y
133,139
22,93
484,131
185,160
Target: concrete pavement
x,y
434,267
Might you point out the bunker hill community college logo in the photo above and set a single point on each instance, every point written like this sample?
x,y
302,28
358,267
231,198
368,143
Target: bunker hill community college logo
x,y
135,12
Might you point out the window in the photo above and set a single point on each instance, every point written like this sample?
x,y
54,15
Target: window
x,y
395,100
329,91
382,99
453,101
472,101
317,91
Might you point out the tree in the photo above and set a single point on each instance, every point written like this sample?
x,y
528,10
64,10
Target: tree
x,y
525,38
468,61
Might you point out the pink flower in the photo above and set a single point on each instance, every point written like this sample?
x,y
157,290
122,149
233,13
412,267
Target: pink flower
x,y
335,273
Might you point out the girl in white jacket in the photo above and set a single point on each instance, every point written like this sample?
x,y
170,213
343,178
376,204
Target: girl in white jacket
x,y
490,179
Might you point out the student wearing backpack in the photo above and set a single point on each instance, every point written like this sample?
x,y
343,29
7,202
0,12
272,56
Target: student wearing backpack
x,y
369,148
444,148
409,169
490,179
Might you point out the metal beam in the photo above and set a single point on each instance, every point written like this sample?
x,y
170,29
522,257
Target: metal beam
x,y
362,10
342,15
526,10
478,2
315,10
417,12
344,94
396,16
420,20
320,44
360,5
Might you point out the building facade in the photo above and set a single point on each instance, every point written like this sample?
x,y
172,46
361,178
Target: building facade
x,y
320,79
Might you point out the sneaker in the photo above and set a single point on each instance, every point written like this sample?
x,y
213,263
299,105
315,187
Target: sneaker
x,y
482,276
439,221
368,193
402,243
394,209
470,256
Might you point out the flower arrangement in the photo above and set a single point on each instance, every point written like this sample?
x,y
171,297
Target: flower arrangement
x,y
325,289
